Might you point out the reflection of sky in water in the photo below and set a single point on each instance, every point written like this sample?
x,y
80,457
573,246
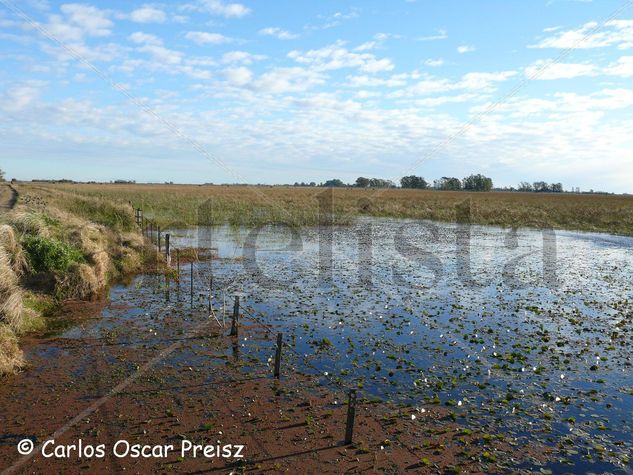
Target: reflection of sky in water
x,y
489,329
406,323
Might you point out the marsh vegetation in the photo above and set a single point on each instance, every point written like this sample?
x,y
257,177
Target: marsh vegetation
x,y
188,205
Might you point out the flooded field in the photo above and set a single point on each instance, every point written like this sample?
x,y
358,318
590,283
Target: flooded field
x,y
524,333
522,337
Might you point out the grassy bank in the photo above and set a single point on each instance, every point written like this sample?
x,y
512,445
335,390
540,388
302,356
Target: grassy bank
x,y
56,246
186,205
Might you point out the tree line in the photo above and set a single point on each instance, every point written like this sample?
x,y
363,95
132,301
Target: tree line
x,y
475,182
541,187
470,183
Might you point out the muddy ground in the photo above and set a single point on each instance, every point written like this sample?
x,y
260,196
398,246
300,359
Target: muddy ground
x,y
179,376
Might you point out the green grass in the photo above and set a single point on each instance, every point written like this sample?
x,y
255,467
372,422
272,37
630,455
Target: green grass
x,y
44,305
189,205
50,255
102,212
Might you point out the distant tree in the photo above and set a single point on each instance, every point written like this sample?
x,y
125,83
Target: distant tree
x,y
380,183
1,175
413,181
477,183
525,186
540,186
556,187
312,183
448,184
362,182
333,183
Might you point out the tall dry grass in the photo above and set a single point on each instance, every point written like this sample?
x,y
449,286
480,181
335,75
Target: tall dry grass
x,y
14,317
71,246
186,205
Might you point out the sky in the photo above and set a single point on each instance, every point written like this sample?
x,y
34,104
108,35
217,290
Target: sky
x,y
280,91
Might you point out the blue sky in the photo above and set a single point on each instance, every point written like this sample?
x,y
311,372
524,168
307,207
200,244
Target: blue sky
x,y
280,91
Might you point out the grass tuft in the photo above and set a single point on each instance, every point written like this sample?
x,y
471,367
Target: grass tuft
x,y
50,255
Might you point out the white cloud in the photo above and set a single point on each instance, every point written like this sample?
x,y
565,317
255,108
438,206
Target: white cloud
x,y
544,70
435,63
206,38
476,81
78,21
108,52
278,33
548,70
465,49
592,35
623,67
148,14
22,95
369,45
441,100
286,80
398,80
336,56
334,20
440,35
144,38
153,46
238,76
222,8
162,54
91,20
241,57
483,81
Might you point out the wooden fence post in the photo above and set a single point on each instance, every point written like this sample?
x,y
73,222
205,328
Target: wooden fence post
x,y
236,313
351,413
210,291
167,250
278,355
191,283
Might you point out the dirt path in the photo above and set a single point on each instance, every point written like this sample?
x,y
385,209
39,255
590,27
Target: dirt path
x,y
8,197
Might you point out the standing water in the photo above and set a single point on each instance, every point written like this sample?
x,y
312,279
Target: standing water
x,y
524,332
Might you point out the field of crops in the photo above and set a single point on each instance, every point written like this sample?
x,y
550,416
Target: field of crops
x,y
186,205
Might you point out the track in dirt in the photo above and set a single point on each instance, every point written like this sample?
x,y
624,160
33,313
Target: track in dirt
x,y
8,198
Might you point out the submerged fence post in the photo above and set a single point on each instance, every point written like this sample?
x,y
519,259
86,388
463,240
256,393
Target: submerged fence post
x,y
167,250
191,283
278,354
351,414
236,312
210,291
178,263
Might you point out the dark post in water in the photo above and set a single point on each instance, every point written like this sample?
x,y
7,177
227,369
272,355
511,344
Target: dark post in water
x,y
351,413
236,312
278,355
